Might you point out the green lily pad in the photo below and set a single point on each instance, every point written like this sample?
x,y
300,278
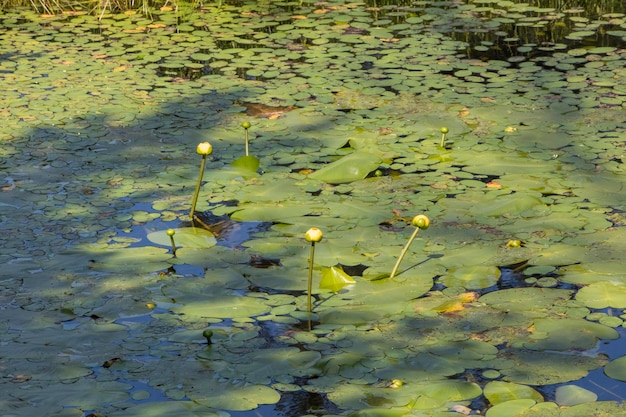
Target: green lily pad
x,y
225,306
542,368
513,408
518,299
472,277
616,369
247,165
187,237
277,213
175,408
499,392
350,168
227,396
334,279
140,259
603,294
568,333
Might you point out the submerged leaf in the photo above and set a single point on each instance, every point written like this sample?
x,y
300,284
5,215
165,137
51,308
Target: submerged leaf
x,y
568,395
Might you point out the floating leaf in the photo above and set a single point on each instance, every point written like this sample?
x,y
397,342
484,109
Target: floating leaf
x,y
350,168
174,408
472,277
334,279
187,237
616,369
564,334
227,396
603,294
247,165
499,392
140,259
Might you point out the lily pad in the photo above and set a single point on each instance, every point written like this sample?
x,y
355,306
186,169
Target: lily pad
x,y
177,408
350,168
187,237
569,333
472,277
334,279
616,369
499,392
226,396
247,165
603,294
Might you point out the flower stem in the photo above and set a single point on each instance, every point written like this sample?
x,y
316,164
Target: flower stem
x,y
246,142
310,286
404,251
198,184
173,246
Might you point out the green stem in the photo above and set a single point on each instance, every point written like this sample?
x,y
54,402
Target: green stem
x,y
404,250
246,142
173,246
199,183
443,139
310,286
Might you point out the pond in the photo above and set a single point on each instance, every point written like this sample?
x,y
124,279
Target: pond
x,y
503,122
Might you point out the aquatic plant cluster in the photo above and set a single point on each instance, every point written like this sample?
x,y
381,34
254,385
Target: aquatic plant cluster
x,y
500,122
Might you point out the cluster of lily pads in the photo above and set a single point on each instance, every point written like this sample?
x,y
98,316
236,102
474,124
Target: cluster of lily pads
x,y
335,278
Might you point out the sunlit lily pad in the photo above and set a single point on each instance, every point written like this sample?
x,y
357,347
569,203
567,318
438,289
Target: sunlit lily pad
x,y
350,168
188,237
247,165
603,294
499,391
334,279
227,396
616,369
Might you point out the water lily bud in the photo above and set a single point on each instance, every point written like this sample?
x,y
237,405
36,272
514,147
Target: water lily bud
x,y
208,334
313,235
513,243
204,148
421,221
396,383
246,125
170,232
444,130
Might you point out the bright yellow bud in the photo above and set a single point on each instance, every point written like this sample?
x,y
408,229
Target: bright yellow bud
x,y
313,235
204,148
421,221
513,243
